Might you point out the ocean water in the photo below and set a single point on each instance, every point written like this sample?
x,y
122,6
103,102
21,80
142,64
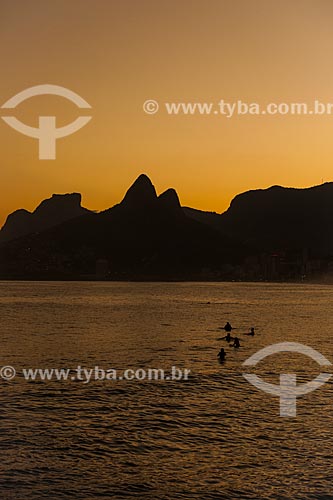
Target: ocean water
x,y
213,436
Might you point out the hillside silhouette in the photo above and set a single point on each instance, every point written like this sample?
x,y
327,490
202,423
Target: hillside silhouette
x,y
276,233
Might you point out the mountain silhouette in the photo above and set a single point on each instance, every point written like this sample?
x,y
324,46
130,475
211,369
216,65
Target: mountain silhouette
x,y
141,194
284,218
274,233
280,218
145,236
50,212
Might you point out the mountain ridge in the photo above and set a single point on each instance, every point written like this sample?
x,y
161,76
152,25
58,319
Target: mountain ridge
x,y
263,234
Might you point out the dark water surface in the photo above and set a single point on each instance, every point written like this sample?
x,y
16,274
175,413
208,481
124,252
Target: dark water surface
x,y
212,437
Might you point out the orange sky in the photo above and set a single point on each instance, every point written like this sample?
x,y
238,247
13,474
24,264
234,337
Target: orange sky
x,y
118,53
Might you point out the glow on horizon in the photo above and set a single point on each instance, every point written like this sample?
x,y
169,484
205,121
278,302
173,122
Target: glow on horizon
x,y
118,54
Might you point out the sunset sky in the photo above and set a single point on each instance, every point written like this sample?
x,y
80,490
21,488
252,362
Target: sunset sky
x,y
116,54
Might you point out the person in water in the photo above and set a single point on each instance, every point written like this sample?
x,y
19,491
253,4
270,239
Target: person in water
x,y
251,332
221,354
236,343
228,337
228,327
